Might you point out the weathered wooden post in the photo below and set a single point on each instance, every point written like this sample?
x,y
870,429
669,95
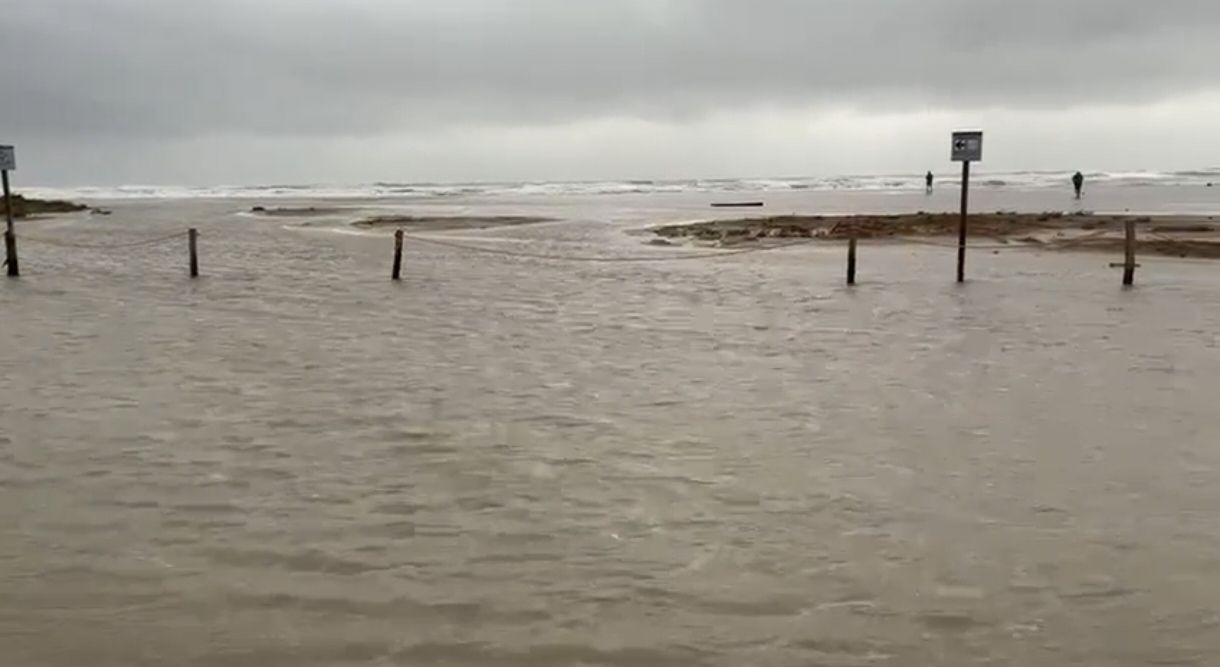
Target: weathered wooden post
x,y
396,274
192,236
1129,260
1128,264
967,148
8,161
851,260
961,226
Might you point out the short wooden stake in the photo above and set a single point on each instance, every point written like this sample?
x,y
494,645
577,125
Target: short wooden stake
x,y
10,253
10,233
851,261
192,236
396,274
1129,260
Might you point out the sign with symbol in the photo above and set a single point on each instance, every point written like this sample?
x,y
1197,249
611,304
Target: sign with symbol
x,y
967,146
8,159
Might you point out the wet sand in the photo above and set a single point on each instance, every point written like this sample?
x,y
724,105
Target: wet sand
x,y
418,223
446,223
358,216
1170,235
299,211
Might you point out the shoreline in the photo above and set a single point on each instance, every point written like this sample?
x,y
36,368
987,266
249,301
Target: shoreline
x,y
1169,235
432,223
438,223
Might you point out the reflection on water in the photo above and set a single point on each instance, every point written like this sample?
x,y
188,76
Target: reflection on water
x,y
506,461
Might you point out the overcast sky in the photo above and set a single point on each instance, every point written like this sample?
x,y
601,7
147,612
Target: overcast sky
x,y
347,91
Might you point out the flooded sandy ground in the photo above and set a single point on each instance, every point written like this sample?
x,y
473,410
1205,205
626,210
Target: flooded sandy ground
x,y
509,461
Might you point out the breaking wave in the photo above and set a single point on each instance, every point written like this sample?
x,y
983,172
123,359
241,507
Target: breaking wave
x,y
1018,180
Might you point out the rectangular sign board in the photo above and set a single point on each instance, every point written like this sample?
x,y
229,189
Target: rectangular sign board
x,y
8,159
967,146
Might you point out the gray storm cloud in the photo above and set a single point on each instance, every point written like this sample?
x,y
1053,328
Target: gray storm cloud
x,y
352,68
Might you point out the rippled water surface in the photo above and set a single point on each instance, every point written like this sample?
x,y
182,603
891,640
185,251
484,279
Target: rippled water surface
x,y
509,461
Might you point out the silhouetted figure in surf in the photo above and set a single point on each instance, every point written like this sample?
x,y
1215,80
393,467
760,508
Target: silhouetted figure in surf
x,y
1078,183
928,183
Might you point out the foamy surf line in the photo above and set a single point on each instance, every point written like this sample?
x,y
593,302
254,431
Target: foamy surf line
x,y
1018,180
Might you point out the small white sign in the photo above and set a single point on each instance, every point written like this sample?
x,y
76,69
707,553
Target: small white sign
x,y
8,159
967,146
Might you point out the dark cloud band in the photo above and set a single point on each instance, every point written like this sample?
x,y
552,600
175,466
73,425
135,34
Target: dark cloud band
x,y
154,68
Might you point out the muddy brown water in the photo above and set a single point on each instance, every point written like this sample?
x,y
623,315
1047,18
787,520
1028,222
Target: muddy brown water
x,y
509,461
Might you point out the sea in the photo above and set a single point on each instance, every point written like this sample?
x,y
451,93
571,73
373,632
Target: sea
x,y
560,445
1019,181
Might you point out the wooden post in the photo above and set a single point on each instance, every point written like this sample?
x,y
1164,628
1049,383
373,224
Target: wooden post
x,y
851,260
10,233
396,274
1129,260
192,236
961,228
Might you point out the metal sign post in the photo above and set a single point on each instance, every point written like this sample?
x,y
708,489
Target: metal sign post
x,y
967,148
8,162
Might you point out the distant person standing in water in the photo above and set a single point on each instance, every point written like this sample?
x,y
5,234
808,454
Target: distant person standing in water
x,y
1078,183
928,183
